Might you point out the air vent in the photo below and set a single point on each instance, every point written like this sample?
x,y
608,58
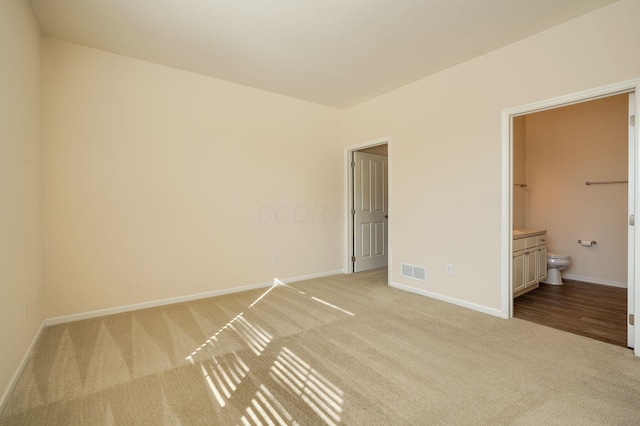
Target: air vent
x,y
418,273
407,270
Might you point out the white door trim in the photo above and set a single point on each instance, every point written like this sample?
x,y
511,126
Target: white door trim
x,y
631,209
348,196
506,302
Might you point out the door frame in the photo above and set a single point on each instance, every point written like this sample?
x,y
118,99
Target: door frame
x,y
506,224
632,209
348,201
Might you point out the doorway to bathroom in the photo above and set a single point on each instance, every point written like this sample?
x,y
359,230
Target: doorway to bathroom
x,y
570,168
572,172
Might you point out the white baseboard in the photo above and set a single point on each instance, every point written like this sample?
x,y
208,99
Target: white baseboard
x,y
452,300
311,276
152,304
23,364
594,280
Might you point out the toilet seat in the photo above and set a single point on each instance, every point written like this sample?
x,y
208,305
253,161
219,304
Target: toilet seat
x,y
558,256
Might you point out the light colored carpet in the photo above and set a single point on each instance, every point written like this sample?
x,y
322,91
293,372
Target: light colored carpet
x,y
346,349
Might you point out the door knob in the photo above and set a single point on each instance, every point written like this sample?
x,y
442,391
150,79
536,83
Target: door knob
x,y
386,216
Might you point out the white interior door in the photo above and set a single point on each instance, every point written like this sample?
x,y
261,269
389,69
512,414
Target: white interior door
x,y
632,214
370,211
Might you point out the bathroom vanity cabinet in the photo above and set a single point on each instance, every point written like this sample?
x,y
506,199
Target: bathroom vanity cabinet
x,y
529,265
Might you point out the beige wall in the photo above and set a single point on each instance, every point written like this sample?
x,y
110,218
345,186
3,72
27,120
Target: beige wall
x,y
565,148
445,194
20,185
162,183
520,193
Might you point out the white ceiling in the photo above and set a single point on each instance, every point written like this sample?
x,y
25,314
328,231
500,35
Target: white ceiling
x,y
332,52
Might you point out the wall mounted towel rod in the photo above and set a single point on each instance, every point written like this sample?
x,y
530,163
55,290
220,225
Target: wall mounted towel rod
x,y
521,185
606,183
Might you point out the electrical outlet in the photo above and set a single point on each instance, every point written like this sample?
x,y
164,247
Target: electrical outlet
x,y
25,308
37,294
449,269
275,257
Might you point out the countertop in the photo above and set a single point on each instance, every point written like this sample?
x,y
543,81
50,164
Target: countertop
x,y
524,233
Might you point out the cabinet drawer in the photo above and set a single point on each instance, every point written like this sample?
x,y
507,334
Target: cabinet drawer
x,y
531,242
519,244
542,240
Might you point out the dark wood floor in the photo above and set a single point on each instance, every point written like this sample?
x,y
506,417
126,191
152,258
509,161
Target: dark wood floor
x,y
591,310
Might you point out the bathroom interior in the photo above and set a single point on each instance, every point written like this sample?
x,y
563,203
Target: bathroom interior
x,y
570,171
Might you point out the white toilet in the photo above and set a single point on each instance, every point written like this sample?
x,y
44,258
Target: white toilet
x,y
556,262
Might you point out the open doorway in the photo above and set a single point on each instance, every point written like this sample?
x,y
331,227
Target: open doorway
x,y
570,169
510,186
368,204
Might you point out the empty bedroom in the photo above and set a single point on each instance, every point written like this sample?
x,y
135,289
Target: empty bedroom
x,y
291,212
